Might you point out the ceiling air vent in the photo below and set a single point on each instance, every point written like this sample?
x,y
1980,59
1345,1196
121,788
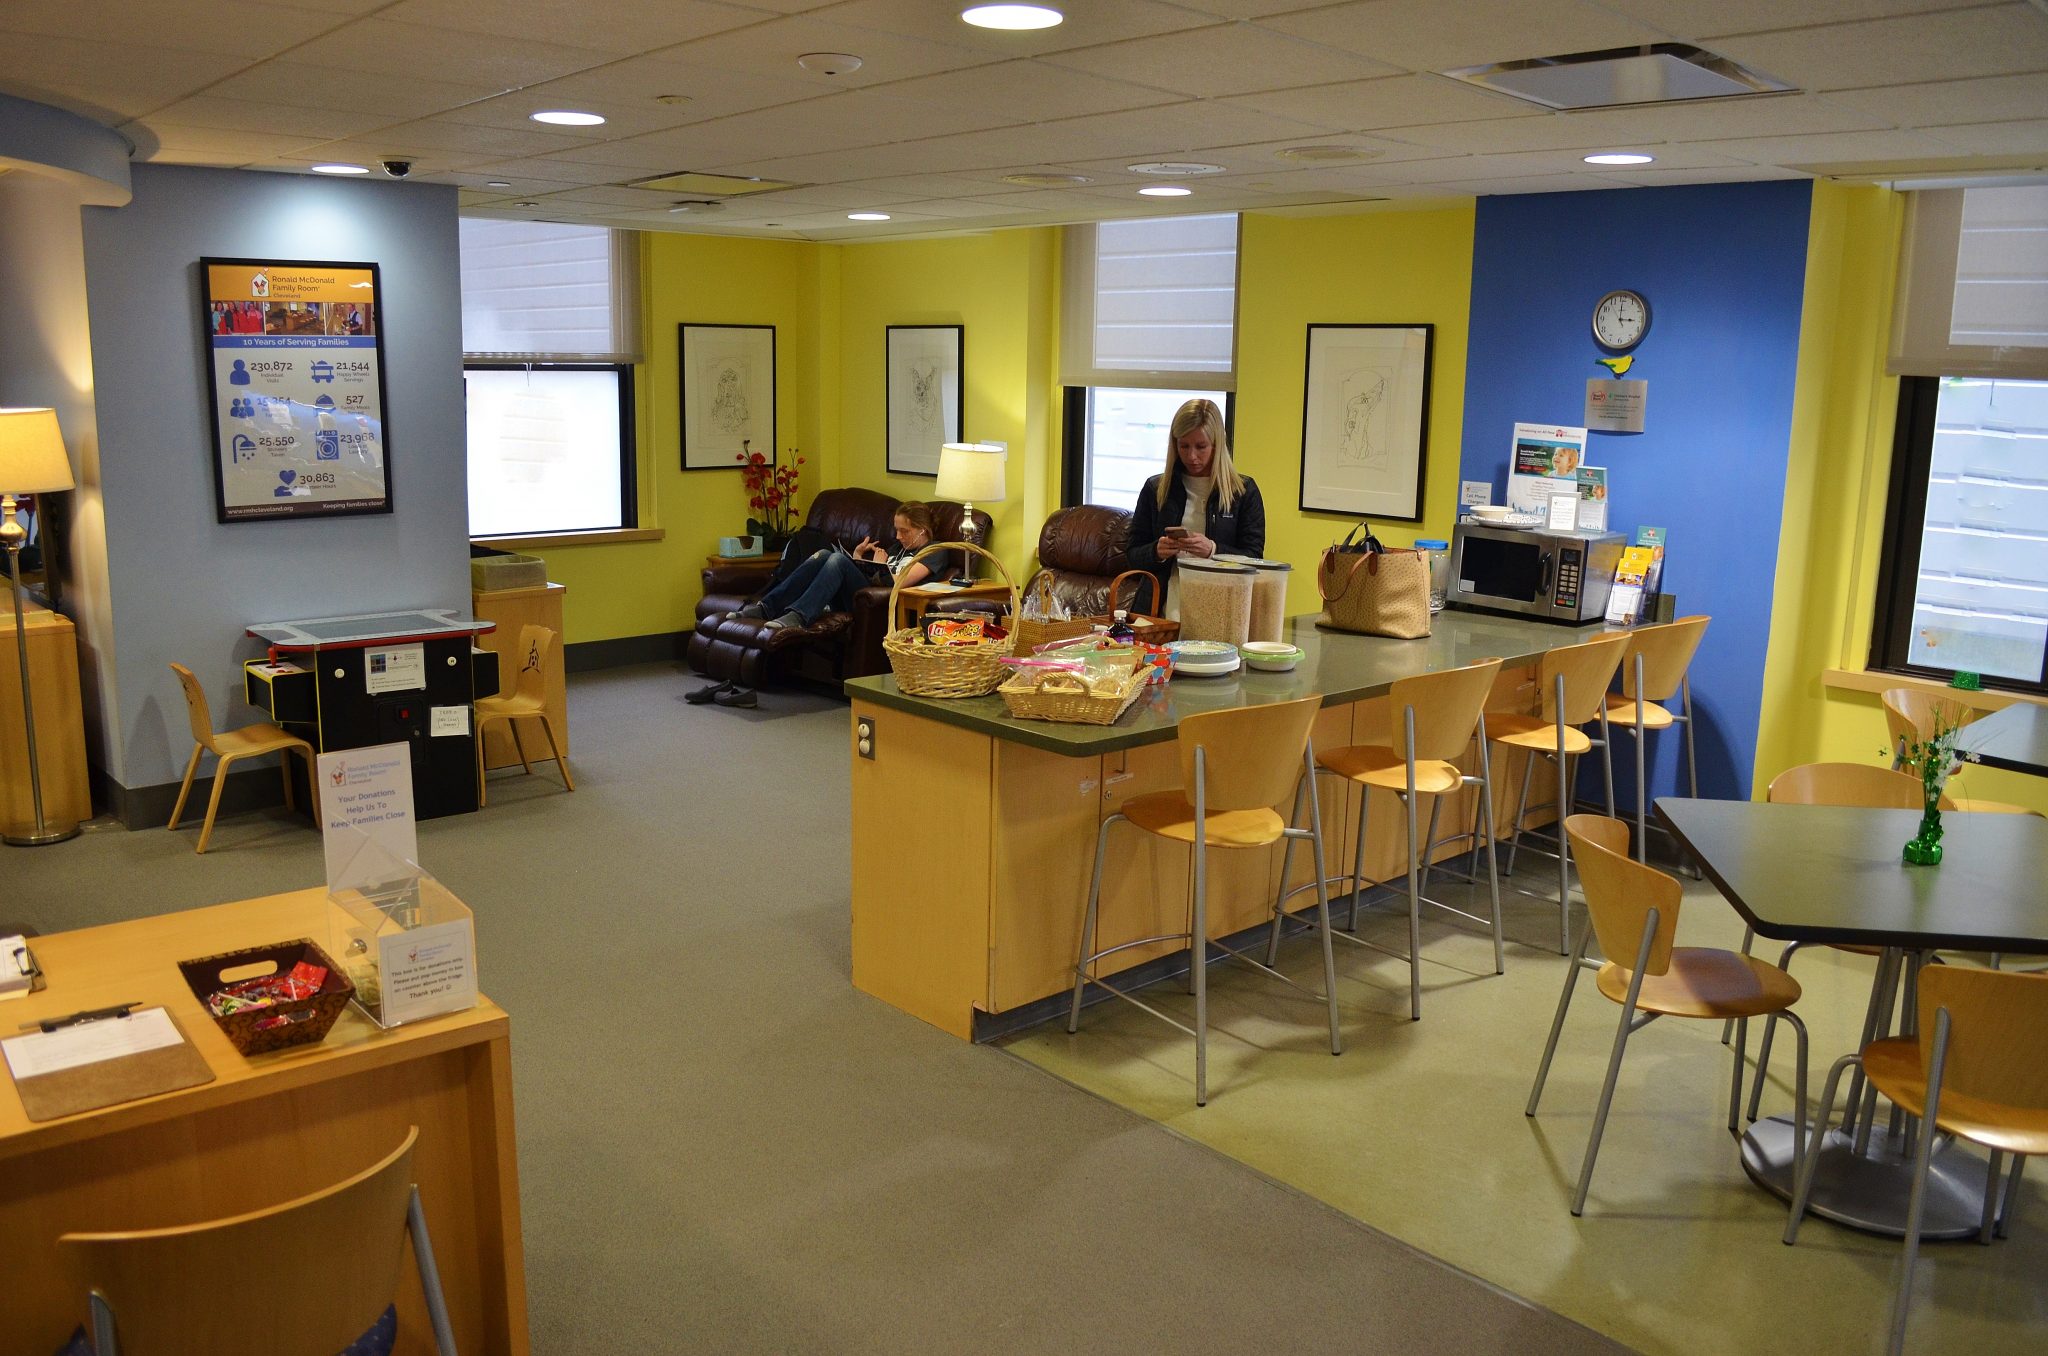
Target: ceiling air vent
x,y
1657,73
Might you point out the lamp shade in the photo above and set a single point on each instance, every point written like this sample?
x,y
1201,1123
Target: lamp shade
x,y
971,473
32,457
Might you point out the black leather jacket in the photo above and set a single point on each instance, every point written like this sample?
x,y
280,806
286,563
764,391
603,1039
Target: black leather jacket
x,y
1242,531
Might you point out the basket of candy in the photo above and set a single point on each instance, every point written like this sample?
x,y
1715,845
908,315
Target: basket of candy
x,y
949,656
268,997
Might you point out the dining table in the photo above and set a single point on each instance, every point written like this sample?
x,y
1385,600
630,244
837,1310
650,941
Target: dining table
x,y
2014,738
1834,874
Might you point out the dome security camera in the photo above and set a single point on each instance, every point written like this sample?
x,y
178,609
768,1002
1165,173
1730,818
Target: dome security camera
x,y
398,169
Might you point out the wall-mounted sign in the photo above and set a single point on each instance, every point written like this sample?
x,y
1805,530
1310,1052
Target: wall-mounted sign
x,y
1616,406
296,373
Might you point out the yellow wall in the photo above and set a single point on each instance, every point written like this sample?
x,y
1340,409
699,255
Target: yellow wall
x,y
1383,267
1830,538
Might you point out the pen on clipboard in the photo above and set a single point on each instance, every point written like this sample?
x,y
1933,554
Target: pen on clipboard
x,y
49,1024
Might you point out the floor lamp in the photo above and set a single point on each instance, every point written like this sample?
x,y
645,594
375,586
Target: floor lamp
x,y
32,461
967,472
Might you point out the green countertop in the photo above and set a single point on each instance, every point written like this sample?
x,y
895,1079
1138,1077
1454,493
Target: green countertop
x,y
1342,667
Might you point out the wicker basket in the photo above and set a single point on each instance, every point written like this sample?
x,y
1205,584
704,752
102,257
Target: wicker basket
x,y
1068,697
1028,633
256,1030
946,670
1153,630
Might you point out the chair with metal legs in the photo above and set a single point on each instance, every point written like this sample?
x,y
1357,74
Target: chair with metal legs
x,y
1633,910
1435,716
1975,1071
1573,680
1655,668
1236,765
1910,714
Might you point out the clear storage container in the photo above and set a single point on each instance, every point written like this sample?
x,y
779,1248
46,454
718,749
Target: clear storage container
x,y
1439,553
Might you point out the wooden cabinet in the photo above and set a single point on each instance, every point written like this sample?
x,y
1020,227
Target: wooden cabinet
x,y
60,725
512,609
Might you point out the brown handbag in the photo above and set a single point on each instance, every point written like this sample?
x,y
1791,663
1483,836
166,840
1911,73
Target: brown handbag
x,y
1373,591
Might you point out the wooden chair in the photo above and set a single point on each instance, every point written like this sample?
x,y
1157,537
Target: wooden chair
x,y
1909,717
1574,680
527,701
306,1278
229,745
1633,909
1975,1071
1236,765
1439,714
1655,668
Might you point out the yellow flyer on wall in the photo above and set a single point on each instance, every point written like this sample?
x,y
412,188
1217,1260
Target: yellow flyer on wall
x,y
296,373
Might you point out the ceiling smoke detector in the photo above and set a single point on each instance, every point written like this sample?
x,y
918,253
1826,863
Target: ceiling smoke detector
x,y
1174,169
1327,155
1036,180
671,98
829,63
1654,73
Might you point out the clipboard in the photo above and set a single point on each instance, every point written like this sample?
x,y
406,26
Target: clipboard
x,y
108,1082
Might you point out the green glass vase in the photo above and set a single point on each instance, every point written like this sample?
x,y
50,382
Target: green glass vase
x,y
1924,848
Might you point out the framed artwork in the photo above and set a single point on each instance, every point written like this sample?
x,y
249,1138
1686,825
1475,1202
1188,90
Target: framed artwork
x,y
1365,420
728,389
295,376
923,395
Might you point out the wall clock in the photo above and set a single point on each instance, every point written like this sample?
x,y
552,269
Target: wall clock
x,y
1621,319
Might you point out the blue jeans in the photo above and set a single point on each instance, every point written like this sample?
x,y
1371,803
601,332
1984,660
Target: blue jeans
x,y
824,583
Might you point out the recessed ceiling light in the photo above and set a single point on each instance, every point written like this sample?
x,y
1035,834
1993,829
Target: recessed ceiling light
x,y
867,216
671,98
565,117
1012,17
1620,158
497,183
1174,169
339,169
1166,191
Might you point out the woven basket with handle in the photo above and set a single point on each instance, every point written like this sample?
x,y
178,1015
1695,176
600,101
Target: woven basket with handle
x,y
1073,699
1151,628
972,670
1028,633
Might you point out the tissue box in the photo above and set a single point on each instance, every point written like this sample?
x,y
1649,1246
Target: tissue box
x,y
739,546
493,574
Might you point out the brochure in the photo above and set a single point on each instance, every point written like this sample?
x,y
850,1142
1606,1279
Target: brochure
x,y
1544,461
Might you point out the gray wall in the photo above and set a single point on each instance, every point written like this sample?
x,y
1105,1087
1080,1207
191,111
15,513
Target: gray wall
x,y
183,586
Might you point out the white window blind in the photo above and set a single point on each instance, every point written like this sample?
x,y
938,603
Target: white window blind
x,y
1973,284
548,292
1151,303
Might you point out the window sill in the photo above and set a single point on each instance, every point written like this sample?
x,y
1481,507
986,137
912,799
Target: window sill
x,y
603,537
1875,681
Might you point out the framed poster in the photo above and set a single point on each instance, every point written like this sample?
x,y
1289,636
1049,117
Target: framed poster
x,y
1365,420
923,398
728,381
296,377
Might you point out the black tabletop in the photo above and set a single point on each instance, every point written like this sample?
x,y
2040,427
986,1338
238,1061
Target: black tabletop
x,y
2015,739
1823,873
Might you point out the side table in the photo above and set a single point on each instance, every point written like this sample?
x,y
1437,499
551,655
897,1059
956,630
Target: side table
x,y
912,602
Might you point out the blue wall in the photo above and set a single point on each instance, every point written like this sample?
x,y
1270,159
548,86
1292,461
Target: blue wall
x,y
1723,267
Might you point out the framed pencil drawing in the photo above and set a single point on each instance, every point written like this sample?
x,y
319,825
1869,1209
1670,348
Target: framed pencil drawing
x,y
728,392
1365,420
923,399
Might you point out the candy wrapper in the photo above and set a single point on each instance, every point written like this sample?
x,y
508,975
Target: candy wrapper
x,y
302,983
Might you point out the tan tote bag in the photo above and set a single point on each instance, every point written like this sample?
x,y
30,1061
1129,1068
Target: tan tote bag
x,y
1373,591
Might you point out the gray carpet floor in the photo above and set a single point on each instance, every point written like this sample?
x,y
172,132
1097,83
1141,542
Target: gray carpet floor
x,y
724,1147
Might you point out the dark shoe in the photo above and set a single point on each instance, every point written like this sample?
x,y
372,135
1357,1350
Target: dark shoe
x,y
744,697
788,619
752,611
708,693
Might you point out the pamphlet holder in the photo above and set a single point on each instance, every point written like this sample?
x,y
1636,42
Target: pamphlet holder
x,y
406,942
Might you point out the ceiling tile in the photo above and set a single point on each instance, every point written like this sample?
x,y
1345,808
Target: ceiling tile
x,y
1030,91
934,185
1181,129
1693,20
1396,101
772,48
1832,148
1942,103
2021,137
426,161
712,92
624,27
239,147
1232,59
558,171
398,97
224,27
1998,40
250,116
1654,176
1620,128
496,143
1427,35
1253,9
383,47
1535,183
1086,25
119,77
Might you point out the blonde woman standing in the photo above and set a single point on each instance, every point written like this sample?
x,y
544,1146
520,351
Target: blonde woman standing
x,y
1200,505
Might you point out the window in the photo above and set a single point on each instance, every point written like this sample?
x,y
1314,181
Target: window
x,y
1150,321
1116,439
550,330
1965,583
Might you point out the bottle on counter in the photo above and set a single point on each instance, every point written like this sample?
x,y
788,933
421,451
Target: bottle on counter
x,y
1120,629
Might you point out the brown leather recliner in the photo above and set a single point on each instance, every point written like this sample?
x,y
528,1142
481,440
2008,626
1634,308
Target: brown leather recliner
x,y
1083,548
838,645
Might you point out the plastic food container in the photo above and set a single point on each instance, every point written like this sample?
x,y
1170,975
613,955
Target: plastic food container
x,y
1215,600
1203,658
1269,596
1439,553
1270,656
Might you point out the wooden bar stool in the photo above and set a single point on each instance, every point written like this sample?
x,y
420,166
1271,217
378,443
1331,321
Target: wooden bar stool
x,y
1574,681
1439,715
1236,765
230,745
1655,668
1975,1071
1633,909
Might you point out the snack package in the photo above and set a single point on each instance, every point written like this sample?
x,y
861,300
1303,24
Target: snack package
x,y
959,630
302,983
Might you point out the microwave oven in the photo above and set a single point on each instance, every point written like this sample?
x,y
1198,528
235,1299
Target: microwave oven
x,y
1532,572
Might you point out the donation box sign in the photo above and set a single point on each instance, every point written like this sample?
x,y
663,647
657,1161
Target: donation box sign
x,y
295,356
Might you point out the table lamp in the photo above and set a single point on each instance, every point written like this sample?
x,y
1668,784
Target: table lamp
x,y
32,461
967,472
